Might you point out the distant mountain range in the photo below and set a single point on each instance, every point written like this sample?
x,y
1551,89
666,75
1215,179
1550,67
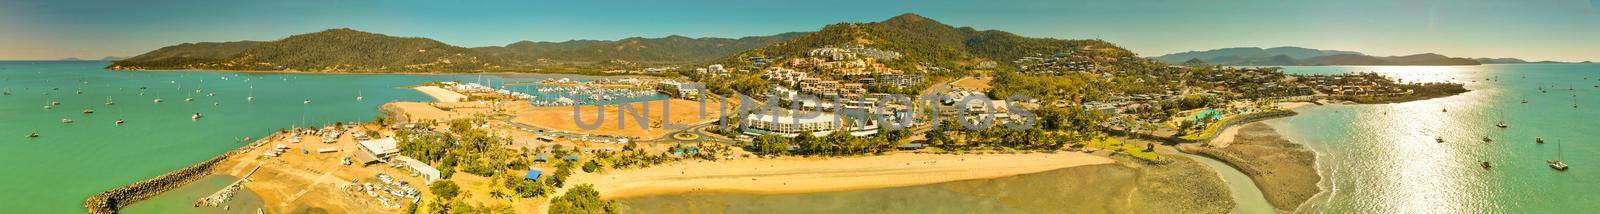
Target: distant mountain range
x,y
347,50
1247,56
924,42
109,58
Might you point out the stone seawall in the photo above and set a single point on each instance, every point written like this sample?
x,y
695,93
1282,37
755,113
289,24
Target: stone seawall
x,y
110,201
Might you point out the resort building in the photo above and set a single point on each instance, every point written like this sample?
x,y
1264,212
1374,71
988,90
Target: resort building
x,y
428,173
379,150
785,124
679,89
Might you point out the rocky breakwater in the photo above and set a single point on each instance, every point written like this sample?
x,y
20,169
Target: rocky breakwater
x,y
110,201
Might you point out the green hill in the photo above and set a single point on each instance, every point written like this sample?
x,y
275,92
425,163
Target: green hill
x,y
184,55
925,41
667,50
346,50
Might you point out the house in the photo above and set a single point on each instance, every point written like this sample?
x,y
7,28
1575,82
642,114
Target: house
x,y
533,175
377,150
428,173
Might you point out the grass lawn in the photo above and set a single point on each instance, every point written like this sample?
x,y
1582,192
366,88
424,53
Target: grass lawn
x,y
1136,150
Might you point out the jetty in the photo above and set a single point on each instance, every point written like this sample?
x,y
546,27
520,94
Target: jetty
x,y
226,194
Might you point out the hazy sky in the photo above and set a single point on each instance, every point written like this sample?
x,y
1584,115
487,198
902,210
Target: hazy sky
x,y
1534,29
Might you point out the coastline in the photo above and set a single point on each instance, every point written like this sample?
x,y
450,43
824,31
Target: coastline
x,y
1123,185
1286,172
789,175
504,73
113,200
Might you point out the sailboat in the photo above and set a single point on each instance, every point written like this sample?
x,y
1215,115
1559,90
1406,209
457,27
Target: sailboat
x,y
1502,120
158,98
359,97
109,101
1557,164
252,96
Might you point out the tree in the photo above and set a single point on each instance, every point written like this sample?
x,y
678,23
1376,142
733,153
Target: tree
x,y
591,167
445,189
526,188
581,199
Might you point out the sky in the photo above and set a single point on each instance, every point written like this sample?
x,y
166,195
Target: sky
x,y
1565,30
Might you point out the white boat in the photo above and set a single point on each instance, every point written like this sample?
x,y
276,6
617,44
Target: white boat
x,y
88,111
1557,164
1502,120
308,101
33,134
196,116
120,121
65,120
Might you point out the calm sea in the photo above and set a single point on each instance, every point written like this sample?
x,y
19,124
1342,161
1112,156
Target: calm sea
x,y
70,161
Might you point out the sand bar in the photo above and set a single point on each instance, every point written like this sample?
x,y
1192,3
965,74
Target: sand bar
x,y
441,94
804,175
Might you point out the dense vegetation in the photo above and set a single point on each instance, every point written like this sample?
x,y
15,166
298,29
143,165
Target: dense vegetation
x,y
666,50
346,50
581,199
186,54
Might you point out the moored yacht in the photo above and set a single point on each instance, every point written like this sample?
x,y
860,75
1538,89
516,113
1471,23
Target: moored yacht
x,y
1557,164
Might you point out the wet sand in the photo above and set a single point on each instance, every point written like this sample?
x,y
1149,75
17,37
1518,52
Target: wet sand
x,y
805,175
1285,171
1183,186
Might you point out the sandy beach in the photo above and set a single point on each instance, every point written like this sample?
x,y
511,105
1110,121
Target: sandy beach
x,y
1285,171
441,94
803,175
1183,186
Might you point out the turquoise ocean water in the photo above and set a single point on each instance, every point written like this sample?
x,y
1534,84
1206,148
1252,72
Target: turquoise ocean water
x,y
70,161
